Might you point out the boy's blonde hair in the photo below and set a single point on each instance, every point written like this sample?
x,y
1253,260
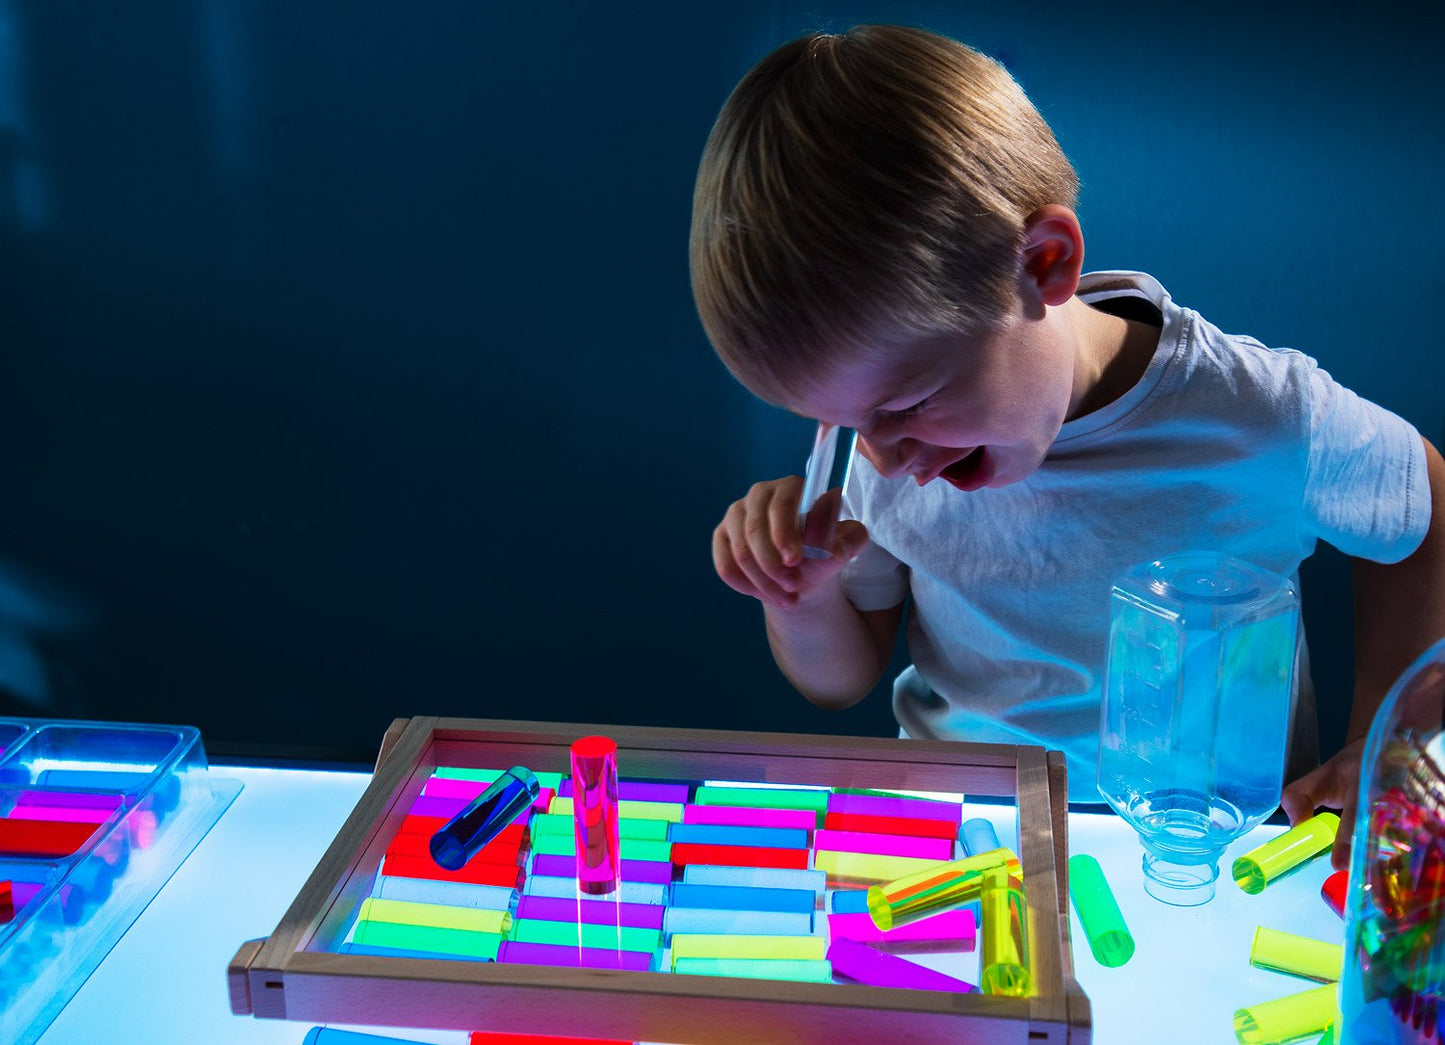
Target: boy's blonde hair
x,y
859,190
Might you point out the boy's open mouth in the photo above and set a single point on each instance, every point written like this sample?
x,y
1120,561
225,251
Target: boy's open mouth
x,y
971,473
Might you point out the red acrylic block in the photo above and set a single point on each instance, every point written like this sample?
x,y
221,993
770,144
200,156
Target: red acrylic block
x,y
506,848
48,838
914,827
475,872
1335,890
7,901
483,1037
685,853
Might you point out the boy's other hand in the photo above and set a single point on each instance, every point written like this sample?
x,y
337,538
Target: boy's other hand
x,y
757,549
1334,785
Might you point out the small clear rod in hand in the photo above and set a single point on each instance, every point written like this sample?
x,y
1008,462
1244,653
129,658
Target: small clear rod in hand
x,y
826,468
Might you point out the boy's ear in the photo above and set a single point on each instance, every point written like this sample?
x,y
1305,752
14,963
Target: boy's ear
x,y
1053,252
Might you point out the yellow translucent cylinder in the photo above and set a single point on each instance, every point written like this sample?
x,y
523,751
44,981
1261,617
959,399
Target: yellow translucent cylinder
x,y
733,945
434,915
1297,955
1288,1018
1260,866
933,889
1004,962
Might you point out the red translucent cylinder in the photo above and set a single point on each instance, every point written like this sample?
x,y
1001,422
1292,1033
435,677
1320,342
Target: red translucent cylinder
x,y
594,809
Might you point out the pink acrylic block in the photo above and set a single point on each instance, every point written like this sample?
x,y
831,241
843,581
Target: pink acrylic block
x,y
744,816
955,929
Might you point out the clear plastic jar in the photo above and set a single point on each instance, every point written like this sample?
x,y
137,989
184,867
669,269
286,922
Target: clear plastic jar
x,y
1394,977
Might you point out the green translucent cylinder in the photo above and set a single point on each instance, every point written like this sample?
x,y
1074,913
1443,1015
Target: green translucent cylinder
x,y
934,890
1258,867
461,942
570,934
1297,955
1004,962
1288,1018
1104,927
796,970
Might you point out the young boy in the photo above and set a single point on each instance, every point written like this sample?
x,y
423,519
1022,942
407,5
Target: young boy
x,y
884,238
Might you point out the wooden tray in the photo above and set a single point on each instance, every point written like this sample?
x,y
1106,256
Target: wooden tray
x,y
292,975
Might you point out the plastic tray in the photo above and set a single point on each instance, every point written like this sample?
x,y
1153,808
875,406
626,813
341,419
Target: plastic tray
x,y
146,795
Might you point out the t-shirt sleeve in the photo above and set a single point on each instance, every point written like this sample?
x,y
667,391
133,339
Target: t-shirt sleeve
x,y
875,579
1366,489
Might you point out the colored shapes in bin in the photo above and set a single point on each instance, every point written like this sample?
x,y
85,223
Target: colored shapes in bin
x,y
952,930
657,792
868,868
763,797
669,812
742,898
847,901
44,838
627,827
434,915
750,816
571,956
686,853
722,834
1335,890
1004,954
654,893
934,889
790,969
509,876
884,805
811,879
1286,1019
1297,955
1109,938
977,835
733,945
507,798
426,939
706,920
1285,852
503,1038
500,850
572,934
912,826
641,849
935,849
875,968
455,894
590,910
632,870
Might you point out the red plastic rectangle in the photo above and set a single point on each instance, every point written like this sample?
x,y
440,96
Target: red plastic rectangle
x,y
684,853
916,827
506,848
49,838
509,877
7,901
482,1037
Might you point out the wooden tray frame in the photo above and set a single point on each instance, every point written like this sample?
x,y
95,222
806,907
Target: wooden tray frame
x,y
289,974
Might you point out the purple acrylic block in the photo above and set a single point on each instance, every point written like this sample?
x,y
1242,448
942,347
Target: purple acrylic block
x,y
858,961
575,957
632,870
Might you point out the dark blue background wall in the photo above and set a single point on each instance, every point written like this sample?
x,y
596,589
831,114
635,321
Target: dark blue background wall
x,y
348,367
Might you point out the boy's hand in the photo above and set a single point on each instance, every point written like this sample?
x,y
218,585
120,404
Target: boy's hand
x,y
757,549
1334,785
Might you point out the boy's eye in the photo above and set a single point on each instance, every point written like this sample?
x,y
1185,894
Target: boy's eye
x,y
906,412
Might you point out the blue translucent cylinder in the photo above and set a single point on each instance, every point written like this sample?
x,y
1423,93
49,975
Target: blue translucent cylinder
x,y
978,836
742,898
464,835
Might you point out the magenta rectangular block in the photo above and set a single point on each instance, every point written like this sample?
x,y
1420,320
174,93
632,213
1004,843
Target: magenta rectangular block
x,y
887,805
939,849
426,805
70,800
632,870
640,791
572,957
957,929
743,816
68,814
593,911
868,965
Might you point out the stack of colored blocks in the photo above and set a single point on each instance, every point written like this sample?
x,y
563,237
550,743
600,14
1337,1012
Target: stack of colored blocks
x,y
720,880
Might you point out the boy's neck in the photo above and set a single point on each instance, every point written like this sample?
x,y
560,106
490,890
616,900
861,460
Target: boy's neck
x,y
1113,354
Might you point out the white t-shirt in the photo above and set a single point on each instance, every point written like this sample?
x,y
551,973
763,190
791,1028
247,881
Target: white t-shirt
x,y
1223,445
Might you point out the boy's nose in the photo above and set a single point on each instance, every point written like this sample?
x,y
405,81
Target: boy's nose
x,y
892,458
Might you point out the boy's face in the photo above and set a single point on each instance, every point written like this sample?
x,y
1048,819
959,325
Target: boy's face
x,y
973,411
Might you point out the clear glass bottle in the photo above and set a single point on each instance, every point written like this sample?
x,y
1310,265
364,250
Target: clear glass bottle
x,y
1394,978
1198,690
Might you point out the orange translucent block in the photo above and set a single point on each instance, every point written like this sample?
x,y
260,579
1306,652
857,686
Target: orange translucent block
x,y
48,838
687,853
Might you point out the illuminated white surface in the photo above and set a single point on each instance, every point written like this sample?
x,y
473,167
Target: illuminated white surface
x,y
165,981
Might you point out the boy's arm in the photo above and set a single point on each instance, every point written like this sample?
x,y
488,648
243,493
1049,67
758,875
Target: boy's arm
x,y
1399,613
833,653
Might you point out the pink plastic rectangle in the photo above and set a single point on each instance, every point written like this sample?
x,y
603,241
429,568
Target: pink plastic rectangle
x,y
887,805
956,928
884,845
64,813
866,964
70,800
745,816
